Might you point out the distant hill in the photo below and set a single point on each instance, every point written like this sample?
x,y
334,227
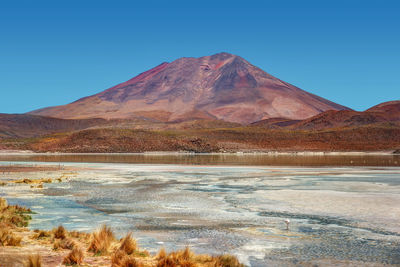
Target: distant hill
x,y
387,113
24,125
218,87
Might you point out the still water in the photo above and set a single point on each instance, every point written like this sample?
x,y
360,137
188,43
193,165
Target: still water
x,y
342,209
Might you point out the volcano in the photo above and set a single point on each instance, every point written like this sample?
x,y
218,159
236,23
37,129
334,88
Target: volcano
x,y
219,87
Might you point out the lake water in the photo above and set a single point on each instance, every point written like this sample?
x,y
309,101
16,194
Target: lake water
x,y
342,209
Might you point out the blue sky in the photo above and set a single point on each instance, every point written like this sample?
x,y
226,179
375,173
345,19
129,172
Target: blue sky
x,y
54,52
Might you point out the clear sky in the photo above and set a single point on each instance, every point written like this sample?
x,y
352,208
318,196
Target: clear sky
x,y
54,52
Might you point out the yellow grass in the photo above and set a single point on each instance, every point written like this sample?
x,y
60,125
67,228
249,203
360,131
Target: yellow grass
x,y
121,259
186,258
76,256
128,244
101,241
59,232
65,243
8,238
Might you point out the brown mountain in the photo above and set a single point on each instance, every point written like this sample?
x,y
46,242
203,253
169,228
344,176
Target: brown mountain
x,y
388,113
25,125
222,86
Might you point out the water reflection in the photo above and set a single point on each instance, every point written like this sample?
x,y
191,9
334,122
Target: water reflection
x,y
218,159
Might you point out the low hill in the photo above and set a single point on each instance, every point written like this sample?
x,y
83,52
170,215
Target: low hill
x,y
387,113
25,125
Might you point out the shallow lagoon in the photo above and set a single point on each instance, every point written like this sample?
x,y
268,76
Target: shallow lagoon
x,y
338,214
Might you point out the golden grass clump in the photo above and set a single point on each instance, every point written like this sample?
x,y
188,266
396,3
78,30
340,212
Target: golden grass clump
x,y
65,243
79,235
124,256
41,234
59,232
181,258
8,238
186,258
3,203
121,259
13,215
24,181
33,261
128,244
76,256
161,254
101,240
227,260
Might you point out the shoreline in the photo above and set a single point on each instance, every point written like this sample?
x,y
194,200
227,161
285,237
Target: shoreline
x,y
238,153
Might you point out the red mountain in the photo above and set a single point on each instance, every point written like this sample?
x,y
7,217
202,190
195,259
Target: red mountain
x,y
222,86
388,112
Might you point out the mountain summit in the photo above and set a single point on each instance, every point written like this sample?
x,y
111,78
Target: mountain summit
x,y
222,86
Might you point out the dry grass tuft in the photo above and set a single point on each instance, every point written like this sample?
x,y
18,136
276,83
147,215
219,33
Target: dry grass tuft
x,y
227,261
59,232
33,261
161,254
41,234
186,254
3,203
121,259
7,238
13,215
186,258
128,244
101,240
181,258
65,243
79,235
76,256
24,181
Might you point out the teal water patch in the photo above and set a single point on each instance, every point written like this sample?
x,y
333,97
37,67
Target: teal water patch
x,y
51,211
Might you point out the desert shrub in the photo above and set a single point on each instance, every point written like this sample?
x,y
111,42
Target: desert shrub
x,y
101,240
74,257
33,261
8,238
59,232
65,243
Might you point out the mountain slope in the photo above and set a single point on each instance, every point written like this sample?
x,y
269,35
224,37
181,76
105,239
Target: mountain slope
x,y
222,86
387,113
23,125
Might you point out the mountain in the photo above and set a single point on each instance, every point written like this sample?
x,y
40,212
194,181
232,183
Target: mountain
x,y
219,87
392,108
388,113
24,125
